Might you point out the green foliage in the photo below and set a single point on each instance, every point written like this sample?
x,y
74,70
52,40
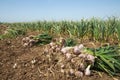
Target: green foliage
x,y
1,37
93,29
14,32
43,39
118,29
70,42
108,59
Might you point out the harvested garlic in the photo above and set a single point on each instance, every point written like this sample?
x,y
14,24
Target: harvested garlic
x,y
25,40
81,67
90,58
87,71
68,56
64,50
71,71
57,49
81,46
25,44
79,74
52,44
82,55
76,50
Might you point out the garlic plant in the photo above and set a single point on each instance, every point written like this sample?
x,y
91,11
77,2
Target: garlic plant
x,y
28,41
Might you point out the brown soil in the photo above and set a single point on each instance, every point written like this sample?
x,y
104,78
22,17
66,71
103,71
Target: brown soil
x,y
15,63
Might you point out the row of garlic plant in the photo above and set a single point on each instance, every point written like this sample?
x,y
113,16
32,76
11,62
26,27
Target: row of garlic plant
x,y
93,29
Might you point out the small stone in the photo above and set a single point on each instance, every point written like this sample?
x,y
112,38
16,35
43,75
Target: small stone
x,y
33,61
62,71
62,66
15,65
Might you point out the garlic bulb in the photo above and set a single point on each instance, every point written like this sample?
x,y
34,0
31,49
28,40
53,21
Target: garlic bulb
x,y
82,55
58,49
91,58
64,50
52,44
72,60
31,42
68,56
87,71
79,74
25,40
25,44
71,71
81,67
76,50
81,46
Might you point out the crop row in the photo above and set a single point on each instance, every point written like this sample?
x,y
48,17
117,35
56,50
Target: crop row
x,y
92,29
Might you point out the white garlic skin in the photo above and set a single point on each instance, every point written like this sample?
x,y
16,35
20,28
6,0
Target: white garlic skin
x,y
76,50
72,71
81,46
87,71
25,44
82,55
64,50
79,74
68,56
52,44
81,67
90,58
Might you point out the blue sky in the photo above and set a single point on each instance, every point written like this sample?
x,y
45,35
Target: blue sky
x,y
33,10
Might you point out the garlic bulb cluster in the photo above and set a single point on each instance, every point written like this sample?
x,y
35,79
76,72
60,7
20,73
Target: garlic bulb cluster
x,y
28,41
65,50
72,61
56,45
79,74
88,57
